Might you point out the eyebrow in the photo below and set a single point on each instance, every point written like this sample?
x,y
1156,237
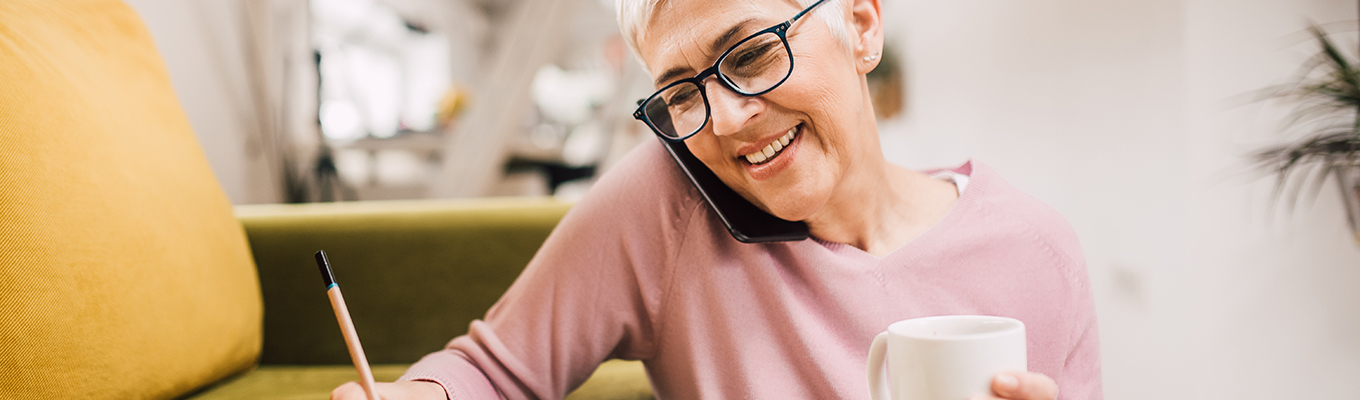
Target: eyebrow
x,y
716,47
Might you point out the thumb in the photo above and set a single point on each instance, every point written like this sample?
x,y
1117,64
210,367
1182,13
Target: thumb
x,y
1021,385
348,391
352,390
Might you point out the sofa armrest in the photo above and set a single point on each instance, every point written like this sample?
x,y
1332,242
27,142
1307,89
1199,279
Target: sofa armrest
x,y
414,273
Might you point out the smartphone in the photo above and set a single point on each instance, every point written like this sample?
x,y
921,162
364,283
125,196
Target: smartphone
x,y
746,222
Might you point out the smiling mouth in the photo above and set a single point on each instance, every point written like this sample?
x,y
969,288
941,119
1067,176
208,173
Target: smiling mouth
x,y
773,149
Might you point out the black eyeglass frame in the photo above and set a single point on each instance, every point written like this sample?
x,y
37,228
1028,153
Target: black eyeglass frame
x,y
698,80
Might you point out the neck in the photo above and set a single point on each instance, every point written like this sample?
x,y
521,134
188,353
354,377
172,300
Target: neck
x,y
879,207
883,211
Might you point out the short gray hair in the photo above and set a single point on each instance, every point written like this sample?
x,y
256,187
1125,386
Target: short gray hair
x,y
633,15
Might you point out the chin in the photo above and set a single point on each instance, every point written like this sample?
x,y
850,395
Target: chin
x,y
795,204
797,194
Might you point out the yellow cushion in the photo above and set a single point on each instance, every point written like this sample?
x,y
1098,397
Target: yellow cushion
x,y
123,273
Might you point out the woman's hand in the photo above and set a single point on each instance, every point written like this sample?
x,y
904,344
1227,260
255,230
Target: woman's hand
x,y
1021,385
405,390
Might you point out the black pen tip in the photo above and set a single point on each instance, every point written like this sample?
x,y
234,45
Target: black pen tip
x,y
325,267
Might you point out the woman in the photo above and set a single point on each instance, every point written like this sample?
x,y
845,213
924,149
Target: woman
x,y
643,269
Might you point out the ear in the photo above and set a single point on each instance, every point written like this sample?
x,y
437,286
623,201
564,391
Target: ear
x,y
866,18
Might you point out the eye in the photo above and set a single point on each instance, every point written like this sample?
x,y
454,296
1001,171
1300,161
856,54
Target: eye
x,y
753,57
681,96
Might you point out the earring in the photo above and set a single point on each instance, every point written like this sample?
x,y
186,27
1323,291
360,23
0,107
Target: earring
x,y
871,57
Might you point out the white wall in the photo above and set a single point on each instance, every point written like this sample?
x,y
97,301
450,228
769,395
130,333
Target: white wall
x,y
199,41
1118,113
1277,306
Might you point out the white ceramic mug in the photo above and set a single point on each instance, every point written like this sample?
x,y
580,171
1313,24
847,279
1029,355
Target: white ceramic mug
x,y
950,357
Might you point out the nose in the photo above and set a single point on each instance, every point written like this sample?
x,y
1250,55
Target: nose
x,y
729,110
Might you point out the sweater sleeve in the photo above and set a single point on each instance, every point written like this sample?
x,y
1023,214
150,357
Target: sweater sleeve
x,y
1073,360
1081,372
1080,375
589,294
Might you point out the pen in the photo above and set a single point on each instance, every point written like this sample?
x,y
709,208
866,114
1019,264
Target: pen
x,y
356,352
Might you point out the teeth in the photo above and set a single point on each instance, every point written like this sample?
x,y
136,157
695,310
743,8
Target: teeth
x,y
773,148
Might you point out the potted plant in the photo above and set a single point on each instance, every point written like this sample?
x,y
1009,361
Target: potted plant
x,y
1326,124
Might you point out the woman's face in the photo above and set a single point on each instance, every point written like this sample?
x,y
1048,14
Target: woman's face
x,y
822,104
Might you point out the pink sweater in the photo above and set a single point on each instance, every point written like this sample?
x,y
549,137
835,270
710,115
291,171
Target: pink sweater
x,y
642,269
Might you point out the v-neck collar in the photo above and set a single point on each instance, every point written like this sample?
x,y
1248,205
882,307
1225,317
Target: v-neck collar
x,y
964,205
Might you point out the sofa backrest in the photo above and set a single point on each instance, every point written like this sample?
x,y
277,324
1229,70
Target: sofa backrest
x,y
414,273
123,272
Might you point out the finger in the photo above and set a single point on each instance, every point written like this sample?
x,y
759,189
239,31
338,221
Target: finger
x,y
1020,385
352,391
349,391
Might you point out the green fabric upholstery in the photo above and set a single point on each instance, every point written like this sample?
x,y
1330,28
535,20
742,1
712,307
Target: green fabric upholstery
x,y
615,380
293,382
414,273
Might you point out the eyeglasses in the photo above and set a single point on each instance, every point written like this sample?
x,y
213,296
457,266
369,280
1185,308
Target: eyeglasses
x,y
754,66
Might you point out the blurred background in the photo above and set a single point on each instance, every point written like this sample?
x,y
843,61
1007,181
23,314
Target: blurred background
x,y
1134,119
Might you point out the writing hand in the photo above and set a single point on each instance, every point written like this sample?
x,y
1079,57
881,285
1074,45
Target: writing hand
x,y
405,390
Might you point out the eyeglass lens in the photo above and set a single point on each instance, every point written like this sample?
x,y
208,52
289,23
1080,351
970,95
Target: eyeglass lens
x,y
752,67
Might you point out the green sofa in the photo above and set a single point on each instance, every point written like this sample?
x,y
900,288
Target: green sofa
x,y
125,272
415,273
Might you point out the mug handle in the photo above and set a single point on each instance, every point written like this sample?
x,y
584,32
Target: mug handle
x,y
878,387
